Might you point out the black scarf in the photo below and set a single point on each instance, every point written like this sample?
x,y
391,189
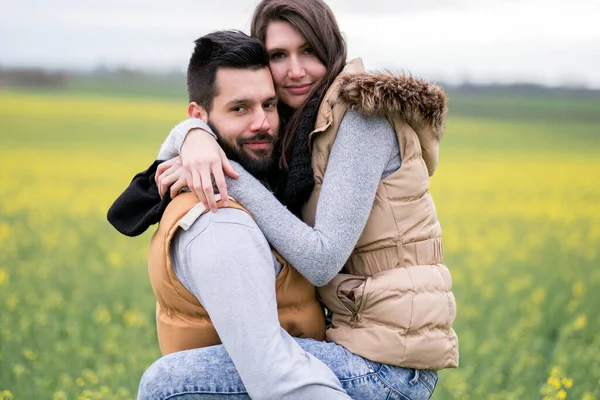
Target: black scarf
x,y
299,182
140,206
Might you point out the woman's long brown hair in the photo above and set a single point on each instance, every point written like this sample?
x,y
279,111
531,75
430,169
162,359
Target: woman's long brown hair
x,y
317,24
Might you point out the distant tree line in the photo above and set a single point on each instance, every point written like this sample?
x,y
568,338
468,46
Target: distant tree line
x,y
32,78
41,78
517,89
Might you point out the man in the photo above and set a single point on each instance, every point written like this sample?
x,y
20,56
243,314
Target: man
x,y
214,274
219,265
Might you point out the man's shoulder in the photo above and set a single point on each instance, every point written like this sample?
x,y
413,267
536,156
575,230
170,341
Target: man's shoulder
x,y
224,218
227,233
229,225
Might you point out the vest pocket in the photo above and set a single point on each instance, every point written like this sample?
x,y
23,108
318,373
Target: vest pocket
x,y
352,294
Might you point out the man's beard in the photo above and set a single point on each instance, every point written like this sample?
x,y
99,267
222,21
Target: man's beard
x,y
260,167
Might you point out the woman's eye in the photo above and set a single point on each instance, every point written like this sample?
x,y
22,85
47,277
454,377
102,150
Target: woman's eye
x,y
277,56
309,51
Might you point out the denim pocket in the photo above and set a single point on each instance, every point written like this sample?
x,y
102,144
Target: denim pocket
x,y
428,378
408,383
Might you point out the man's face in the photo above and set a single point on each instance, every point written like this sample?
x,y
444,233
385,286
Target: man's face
x,y
244,117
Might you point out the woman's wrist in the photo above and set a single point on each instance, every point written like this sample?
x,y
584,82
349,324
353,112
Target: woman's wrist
x,y
191,124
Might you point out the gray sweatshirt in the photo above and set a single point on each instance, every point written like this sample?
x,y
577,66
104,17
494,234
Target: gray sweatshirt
x,y
366,150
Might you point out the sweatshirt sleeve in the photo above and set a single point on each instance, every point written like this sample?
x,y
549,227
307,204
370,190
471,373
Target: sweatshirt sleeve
x,y
171,148
357,161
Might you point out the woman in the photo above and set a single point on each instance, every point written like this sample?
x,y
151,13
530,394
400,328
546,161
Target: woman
x,y
363,191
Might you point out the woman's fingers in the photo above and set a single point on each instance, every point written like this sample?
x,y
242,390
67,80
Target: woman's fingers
x,y
221,184
164,166
197,187
227,167
165,182
178,185
207,189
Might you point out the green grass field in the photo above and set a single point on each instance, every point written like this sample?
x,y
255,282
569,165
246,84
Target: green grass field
x,y
517,192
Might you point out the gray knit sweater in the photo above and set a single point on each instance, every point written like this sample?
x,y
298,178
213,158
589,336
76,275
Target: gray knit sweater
x,y
365,151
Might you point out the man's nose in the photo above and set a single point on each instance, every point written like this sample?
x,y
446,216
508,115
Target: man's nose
x,y
260,121
296,69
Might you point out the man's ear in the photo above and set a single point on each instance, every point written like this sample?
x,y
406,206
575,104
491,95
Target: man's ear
x,y
197,111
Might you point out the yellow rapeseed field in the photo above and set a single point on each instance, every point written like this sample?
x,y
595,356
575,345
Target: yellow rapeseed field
x,y
519,203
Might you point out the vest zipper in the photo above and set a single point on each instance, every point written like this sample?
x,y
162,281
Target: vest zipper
x,y
354,319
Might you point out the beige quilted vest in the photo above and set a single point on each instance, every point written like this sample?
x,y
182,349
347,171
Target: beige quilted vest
x,y
393,304
181,321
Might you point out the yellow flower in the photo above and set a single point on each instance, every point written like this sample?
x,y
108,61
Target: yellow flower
x,y
90,376
80,382
538,295
3,277
133,318
6,395
567,382
562,395
18,370
41,319
552,381
60,395
580,322
578,289
110,347
65,380
4,233
572,305
12,302
115,259
102,315
29,354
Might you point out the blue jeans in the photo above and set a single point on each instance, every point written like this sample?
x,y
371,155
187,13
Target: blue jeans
x,y
209,373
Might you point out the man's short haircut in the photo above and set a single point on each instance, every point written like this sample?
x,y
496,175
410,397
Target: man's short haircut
x,y
221,49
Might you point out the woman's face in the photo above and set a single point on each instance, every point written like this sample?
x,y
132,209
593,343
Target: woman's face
x,y
295,67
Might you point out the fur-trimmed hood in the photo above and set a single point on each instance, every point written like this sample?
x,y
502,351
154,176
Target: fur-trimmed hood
x,y
421,104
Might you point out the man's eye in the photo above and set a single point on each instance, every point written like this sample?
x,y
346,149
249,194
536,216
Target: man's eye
x,y
239,109
270,105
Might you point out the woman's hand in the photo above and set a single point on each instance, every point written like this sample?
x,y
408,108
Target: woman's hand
x,y
172,174
202,157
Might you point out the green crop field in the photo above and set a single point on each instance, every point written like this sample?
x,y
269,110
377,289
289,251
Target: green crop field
x,y
517,192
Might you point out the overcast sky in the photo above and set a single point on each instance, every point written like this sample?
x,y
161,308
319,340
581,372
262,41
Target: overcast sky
x,y
544,41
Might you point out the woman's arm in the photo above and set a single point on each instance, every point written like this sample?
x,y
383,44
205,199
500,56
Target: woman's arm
x,y
201,156
171,148
358,159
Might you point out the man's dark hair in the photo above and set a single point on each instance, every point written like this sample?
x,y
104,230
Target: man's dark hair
x,y
221,49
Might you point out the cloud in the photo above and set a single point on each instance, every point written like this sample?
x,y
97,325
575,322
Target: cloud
x,y
399,7
488,40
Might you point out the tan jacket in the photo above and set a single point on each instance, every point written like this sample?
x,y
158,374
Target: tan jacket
x,y
394,305
182,323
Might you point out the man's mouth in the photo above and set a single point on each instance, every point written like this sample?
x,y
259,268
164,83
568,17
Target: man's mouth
x,y
258,144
